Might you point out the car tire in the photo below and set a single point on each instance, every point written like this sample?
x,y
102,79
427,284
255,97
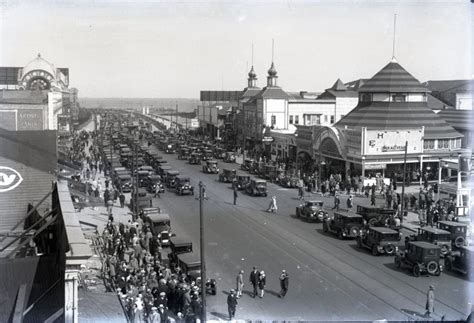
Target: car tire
x,y
340,235
459,241
354,231
389,249
375,251
372,222
265,194
297,212
416,270
432,267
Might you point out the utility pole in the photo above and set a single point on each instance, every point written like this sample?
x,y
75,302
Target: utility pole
x,y
403,182
110,144
136,178
176,117
203,260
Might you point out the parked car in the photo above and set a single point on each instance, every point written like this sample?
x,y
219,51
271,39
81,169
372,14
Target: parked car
x,y
190,264
375,216
195,159
346,225
170,178
247,164
311,211
207,154
184,153
457,230
178,245
144,199
160,225
170,148
420,257
435,236
125,182
379,240
229,157
257,187
242,180
162,169
152,181
211,167
183,185
461,261
227,175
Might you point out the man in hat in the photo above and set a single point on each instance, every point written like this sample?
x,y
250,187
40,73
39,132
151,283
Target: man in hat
x,y
254,280
284,279
430,298
231,303
154,316
349,202
163,313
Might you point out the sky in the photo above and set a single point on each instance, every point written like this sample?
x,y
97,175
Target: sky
x,y
164,49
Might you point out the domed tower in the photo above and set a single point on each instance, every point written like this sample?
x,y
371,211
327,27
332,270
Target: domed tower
x,y
252,80
272,76
38,74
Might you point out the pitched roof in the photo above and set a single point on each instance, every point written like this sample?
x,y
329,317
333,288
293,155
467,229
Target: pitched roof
x,y
271,92
449,85
393,115
338,86
393,78
338,90
436,104
250,91
356,84
459,119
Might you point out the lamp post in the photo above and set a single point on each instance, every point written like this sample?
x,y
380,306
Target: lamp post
x,y
202,245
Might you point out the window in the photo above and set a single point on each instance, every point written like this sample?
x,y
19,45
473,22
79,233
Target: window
x,y
399,98
332,119
274,120
443,144
315,119
297,119
428,144
325,118
291,119
365,97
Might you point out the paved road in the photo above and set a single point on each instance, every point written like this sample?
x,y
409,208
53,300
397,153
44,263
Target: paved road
x,y
330,279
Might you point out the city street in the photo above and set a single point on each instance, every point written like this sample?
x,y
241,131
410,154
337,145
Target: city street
x,y
330,279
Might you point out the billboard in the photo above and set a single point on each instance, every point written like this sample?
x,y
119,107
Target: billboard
x,y
18,118
392,142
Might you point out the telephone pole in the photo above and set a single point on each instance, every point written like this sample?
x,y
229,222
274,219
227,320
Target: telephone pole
x,y
203,260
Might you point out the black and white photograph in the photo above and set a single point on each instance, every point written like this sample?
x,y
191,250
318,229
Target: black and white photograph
x,y
198,161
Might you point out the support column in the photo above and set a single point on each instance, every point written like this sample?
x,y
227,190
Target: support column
x,y
363,169
421,170
71,296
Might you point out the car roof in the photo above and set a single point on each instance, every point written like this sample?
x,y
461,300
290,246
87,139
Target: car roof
x,y
258,180
435,230
190,258
183,178
383,230
212,161
124,176
166,167
424,244
179,239
172,172
154,176
349,215
453,224
228,170
314,201
154,217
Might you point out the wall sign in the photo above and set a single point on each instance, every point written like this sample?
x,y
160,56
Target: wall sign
x,y
391,142
9,179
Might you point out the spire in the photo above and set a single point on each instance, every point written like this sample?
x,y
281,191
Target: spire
x,y
394,33
252,80
272,72
339,86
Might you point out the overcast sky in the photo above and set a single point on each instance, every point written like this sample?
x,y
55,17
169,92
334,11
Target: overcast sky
x,y
175,49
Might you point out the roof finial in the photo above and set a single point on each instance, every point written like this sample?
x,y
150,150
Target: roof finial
x,y
394,33
273,48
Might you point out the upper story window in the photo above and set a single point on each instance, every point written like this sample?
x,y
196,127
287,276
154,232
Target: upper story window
x,y
291,119
297,119
332,119
428,144
274,120
399,98
365,97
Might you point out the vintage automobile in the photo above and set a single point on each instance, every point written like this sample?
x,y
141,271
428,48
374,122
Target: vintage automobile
x,y
457,230
257,187
311,211
184,153
195,159
162,169
170,148
178,245
247,164
346,225
420,257
270,173
124,181
144,199
160,225
211,167
227,175
170,178
219,153
152,181
375,216
435,236
241,181
379,240
190,264
288,181
183,185
229,157
207,154
142,176
461,261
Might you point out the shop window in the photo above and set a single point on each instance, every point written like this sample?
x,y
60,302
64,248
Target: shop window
x,y
399,98
315,119
332,119
325,118
429,144
291,119
297,119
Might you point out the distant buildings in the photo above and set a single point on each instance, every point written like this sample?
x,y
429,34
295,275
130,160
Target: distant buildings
x,y
37,97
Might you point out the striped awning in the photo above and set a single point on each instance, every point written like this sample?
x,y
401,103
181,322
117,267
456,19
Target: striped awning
x,y
392,78
458,119
398,115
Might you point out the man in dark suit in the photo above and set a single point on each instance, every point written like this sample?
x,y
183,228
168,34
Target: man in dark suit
x,y
254,280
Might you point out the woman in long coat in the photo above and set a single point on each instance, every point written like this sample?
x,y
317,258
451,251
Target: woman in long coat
x,y
262,281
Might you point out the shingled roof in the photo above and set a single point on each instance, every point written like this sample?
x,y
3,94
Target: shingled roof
x,y
459,119
392,78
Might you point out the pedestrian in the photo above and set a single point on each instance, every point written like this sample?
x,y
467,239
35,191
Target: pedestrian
x,y
254,280
157,190
430,298
110,205
235,196
337,201
262,281
372,200
272,207
240,283
154,316
231,304
283,283
349,202
122,200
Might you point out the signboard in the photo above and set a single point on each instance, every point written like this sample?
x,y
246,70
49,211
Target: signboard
x,y
392,142
268,139
194,123
375,166
30,119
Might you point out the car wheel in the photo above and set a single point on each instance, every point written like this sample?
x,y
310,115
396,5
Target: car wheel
x,y
265,194
359,242
459,242
340,235
372,222
375,251
389,249
444,250
416,270
354,231
325,227
432,267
